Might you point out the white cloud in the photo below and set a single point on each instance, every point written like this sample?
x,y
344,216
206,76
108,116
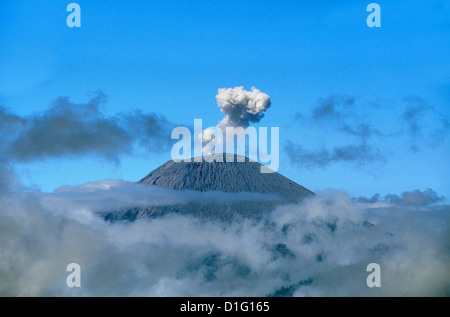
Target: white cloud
x,y
320,247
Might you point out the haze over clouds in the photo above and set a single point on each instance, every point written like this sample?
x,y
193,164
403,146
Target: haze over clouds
x,y
111,195
318,247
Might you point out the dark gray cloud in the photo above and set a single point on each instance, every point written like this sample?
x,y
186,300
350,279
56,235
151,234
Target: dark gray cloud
x,y
151,131
319,247
332,107
357,154
413,114
423,122
8,119
361,135
341,114
375,198
363,131
69,129
10,124
8,179
338,114
416,198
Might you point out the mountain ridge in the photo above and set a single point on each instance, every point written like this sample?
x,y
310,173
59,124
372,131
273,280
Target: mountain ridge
x,y
233,174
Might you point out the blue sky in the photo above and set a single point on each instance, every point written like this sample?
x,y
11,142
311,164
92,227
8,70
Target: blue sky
x,y
170,57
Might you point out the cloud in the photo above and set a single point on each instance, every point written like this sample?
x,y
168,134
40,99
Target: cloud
x,y
341,113
118,195
362,138
337,113
149,130
8,119
362,130
417,118
8,179
319,247
10,124
416,198
69,129
411,116
359,154
331,107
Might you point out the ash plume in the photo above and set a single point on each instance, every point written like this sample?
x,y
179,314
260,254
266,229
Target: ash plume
x,y
241,107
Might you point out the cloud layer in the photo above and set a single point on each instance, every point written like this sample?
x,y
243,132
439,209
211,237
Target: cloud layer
x,y
320,247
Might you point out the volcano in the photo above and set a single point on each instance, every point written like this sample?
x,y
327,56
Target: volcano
x,y
230,173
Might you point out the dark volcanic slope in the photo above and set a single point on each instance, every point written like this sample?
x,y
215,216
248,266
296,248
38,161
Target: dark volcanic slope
x,y
224,176
215,176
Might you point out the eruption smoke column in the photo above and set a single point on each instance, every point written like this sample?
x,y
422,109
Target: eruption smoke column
x,y
241,107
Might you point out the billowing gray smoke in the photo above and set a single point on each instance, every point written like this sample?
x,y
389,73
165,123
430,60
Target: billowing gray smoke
x,y
319,247
241,107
